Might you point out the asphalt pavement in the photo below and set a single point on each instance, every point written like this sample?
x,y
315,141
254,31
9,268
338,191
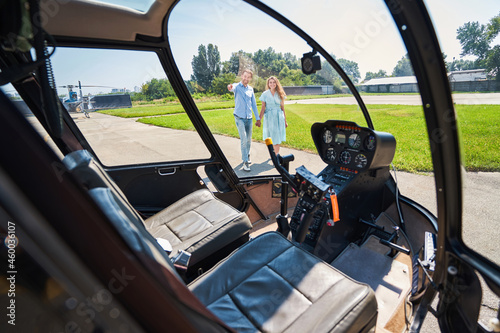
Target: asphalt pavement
x,y
108,134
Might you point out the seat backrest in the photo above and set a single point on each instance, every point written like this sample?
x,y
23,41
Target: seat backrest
x,y
91,175
110,198
141,241
131,229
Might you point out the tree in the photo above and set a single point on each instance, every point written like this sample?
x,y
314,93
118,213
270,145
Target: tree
x,y
232,65
213,60
328,73
265,57
219,84
403,67
351,69
294,77
475,40
157,88
328,76
291,61
206,66
238,60
493,62
271,63
461,65
372,75
277,65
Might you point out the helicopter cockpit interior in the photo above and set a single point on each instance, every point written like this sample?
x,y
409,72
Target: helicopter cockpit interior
x,y
148,206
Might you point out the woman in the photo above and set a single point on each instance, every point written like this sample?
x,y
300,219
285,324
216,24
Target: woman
x,y
273,113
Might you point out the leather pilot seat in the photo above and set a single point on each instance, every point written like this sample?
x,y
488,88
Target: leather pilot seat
x,y
272,285
198,223
266,285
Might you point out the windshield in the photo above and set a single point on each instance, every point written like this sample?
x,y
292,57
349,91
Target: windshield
x,y
214,42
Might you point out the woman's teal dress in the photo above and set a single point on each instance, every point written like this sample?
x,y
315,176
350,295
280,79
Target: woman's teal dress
x,y
274,118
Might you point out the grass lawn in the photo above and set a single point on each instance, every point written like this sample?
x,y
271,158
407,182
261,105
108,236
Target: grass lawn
x,y
479,127
164,109
158,108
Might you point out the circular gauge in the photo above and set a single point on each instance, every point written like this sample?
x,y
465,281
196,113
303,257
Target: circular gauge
x,y
370,142
327,136
331,155
354,140
345,157
360,161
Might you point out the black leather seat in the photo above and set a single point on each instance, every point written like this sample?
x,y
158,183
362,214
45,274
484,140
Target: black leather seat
x,y
271,285
266,285
198,223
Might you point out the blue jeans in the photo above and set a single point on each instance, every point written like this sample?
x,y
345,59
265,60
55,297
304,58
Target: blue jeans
x,y
245,130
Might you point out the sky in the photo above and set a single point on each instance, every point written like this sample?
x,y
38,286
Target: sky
x,y
361,31
364,32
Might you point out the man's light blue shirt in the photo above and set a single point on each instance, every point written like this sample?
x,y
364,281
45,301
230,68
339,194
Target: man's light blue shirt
x,y
244,101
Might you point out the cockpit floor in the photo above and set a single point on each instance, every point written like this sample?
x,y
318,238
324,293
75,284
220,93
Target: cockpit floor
x,y
389,278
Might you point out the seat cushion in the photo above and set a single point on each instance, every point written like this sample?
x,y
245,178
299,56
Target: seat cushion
x,y
271,285
199,223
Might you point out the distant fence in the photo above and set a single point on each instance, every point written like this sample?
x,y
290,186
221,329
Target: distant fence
x,y
470,86
328,90
390,88
309,90
485,85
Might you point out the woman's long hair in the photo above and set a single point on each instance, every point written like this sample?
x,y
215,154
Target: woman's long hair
x,y
279,88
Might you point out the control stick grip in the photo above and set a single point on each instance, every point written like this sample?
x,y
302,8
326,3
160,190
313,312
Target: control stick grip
x,y
274,158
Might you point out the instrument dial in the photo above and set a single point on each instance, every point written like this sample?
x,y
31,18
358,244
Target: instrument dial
x,y
345,157
331,155
370,142
360,161
354,140
327,136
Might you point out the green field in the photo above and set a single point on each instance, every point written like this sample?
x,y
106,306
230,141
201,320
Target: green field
x,y
160,107
164,109
479,127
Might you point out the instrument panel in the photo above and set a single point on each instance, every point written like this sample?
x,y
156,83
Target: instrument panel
x,y
352,147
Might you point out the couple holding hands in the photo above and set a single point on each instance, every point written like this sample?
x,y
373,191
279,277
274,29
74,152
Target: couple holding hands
x,y
272,113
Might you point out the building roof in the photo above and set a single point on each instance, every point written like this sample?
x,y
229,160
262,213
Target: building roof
x,y
390,80
468,75
467,71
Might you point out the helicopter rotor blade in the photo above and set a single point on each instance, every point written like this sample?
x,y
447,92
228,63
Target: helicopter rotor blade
x,y
87,86
84,86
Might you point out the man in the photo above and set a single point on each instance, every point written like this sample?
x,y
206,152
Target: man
x,y
244,100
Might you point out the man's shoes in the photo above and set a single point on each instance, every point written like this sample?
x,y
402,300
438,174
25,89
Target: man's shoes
x,y
246,167
249,161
